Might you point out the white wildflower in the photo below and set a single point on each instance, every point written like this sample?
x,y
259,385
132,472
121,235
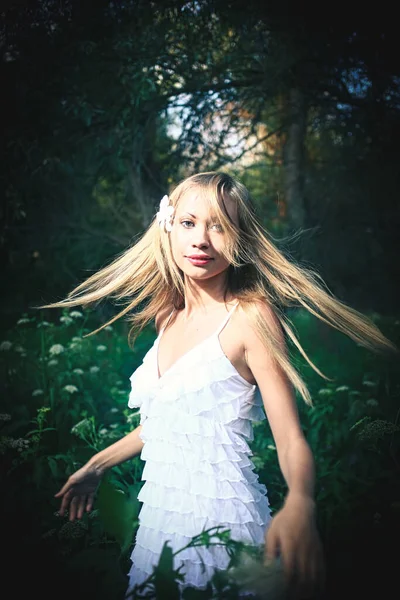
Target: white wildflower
x,y
372,402
94,369
76,339
271,447
73,345
19,349
37,392
82,427
103,431
342,388
56,349
5,417
114,425
23,321
78,371
369,383
44,324
75,314
101,348
108,328
53,362
19,443
325,392
6,345
114,409
66,320
71,389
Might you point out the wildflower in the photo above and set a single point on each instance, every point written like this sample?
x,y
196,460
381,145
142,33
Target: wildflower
x,y
37,392
114,409
56,349
369,383
22,321
103,431
342,388
5,417
372,402
130,418
81,427
75,314
76,339
108,328
6,345
78,371
73,345
19,349
325,392
66,320
94,369
53,362
16,443
71,389
101,348
114,425
271,447
44,324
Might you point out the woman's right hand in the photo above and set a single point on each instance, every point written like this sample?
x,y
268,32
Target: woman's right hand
x,y
78,492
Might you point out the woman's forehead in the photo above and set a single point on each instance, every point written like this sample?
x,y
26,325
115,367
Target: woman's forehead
x,y
196,204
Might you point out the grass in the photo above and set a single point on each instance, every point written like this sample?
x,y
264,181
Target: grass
x,y
65,397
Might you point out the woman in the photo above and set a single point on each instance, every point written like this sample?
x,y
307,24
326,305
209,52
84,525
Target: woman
x,y
217,286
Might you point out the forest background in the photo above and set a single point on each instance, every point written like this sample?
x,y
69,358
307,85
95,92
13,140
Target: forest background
x,y
107,105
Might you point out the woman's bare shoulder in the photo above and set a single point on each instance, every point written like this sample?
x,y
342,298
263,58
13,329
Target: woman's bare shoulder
x,y
161,317
266,311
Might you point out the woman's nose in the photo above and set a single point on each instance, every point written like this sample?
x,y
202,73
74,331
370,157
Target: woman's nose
x,y
200,237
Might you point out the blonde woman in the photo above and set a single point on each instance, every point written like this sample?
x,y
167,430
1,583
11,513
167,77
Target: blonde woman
x,y
216,285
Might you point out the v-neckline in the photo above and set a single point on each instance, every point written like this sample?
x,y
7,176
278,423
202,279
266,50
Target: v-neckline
x,y
214,334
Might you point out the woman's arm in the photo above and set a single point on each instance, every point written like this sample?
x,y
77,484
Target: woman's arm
x,y
124,449
292,532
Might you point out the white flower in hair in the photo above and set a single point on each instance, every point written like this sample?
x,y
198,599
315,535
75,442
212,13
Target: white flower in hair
x,y
165,213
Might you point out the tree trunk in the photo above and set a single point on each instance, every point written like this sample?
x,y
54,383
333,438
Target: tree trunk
x,y
293,159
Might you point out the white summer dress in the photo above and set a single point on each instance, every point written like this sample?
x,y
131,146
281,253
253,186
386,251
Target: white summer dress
x,y
197,419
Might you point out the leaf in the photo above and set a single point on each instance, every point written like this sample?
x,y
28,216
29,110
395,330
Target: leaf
x,y
117,513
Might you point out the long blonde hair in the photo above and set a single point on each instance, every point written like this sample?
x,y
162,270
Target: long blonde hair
x,y
146,278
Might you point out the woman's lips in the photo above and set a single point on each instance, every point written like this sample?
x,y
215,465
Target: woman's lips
x,y
198,261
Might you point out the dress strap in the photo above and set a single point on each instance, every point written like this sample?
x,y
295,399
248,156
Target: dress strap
x,y
224,322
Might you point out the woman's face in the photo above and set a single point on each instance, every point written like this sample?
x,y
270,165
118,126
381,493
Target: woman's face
x,y
197,238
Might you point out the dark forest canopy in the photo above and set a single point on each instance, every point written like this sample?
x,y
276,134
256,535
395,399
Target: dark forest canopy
x,y
106,104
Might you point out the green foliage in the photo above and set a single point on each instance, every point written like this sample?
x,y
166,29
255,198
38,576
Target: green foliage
x,y
59,410
118,512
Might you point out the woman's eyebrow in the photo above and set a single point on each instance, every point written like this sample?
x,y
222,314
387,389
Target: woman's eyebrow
x,y
212,218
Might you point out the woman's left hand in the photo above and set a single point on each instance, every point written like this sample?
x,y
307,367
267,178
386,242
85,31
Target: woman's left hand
x,y
293,536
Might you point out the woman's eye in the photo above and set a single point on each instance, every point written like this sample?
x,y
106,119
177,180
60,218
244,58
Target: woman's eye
x,y
217,226
184,223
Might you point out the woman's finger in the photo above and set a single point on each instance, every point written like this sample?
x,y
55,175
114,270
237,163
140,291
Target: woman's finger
x,y
64,489
65,501
73,508
81,506
89,504
271,547
289,562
